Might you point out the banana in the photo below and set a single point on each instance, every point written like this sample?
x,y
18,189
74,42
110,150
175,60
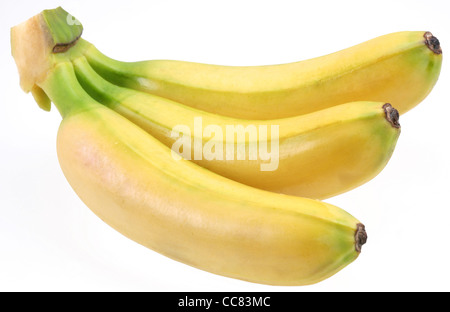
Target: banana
x,y
400,68
177,208
317,155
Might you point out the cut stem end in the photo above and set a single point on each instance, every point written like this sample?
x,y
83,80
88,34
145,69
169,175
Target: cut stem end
x,y
432,43
392,115
360,236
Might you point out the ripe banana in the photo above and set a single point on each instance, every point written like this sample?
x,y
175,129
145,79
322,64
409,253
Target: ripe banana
x,y
177,208
317,155
400,68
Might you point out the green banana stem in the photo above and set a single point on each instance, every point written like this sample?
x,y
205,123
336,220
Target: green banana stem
x,y
113,70
63,89
63,28
96,86
64,31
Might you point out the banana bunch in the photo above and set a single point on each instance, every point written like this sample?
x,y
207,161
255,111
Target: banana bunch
x,y
225,168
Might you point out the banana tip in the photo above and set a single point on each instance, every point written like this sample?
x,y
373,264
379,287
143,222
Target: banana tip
x,y
432,43
392,115
360,236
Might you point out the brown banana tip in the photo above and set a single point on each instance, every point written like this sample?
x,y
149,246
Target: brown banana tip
x,y
360,236
432,43
392,115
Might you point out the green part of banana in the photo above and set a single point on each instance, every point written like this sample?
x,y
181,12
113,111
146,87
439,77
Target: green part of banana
x,y
64,29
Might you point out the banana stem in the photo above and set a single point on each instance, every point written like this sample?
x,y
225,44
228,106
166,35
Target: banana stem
x,y
63,28
113,70
64,90
100,89
37,45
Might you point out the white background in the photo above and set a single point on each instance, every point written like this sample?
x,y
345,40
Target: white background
x,y
50,241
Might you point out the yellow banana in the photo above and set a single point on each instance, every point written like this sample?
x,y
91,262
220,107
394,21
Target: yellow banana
x,y
400,68
317,155
177,208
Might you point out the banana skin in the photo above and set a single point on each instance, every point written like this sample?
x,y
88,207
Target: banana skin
x,y
177,208
317,155
400,68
